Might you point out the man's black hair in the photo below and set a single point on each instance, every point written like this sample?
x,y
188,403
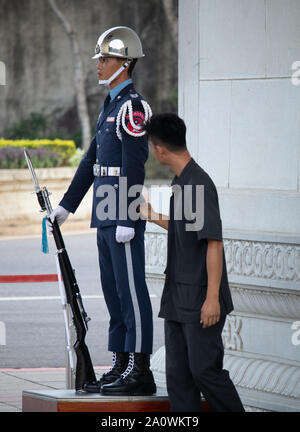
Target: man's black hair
x,y
167,128
131,66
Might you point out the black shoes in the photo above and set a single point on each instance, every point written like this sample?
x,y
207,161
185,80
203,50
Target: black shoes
x,y
136,380
119,365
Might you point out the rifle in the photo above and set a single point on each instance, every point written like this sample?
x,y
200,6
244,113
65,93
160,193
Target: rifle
x,y
84,369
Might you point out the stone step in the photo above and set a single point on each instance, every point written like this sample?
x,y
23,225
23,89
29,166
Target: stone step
x,y
69,401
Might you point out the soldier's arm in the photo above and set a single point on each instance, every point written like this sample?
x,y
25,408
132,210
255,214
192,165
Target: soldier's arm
x,y
134,156
82,180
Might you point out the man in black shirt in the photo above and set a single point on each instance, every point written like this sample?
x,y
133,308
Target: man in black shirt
x,y
196,296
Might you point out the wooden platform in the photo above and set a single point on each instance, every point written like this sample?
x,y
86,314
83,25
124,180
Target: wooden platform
x,y
69,401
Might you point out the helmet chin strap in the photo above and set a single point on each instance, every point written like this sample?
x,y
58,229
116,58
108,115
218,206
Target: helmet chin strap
x,y
114,76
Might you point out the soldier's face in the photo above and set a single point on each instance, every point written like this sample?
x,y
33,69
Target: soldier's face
x,y
107,66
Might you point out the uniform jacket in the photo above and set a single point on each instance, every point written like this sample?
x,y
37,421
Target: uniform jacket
x,y
107,149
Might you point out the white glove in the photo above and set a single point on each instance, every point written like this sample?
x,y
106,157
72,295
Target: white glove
x,y
124,234
60,214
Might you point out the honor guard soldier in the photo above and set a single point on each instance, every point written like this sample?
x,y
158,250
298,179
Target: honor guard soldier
x,y
116,157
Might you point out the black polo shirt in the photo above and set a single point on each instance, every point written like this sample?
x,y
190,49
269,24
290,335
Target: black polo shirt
x,y
186,272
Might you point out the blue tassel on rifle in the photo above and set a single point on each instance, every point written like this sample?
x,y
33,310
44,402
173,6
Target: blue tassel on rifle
x,y
45,248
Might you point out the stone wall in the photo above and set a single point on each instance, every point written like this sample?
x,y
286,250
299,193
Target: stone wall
x,y
38,60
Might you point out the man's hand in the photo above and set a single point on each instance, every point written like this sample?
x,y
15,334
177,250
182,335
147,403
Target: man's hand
x,y
210,312
150,215
147,211
60,214
124,234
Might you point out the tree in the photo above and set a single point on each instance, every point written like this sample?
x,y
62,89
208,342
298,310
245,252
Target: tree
x,y
81,99
171,12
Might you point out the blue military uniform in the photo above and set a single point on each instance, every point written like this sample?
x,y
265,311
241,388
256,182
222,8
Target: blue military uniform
x,y
118,148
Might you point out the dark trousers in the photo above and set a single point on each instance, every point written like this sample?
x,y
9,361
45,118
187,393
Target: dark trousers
x,y
122,268
194,365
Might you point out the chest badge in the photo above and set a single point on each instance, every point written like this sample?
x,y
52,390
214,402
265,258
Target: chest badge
x,y
110,119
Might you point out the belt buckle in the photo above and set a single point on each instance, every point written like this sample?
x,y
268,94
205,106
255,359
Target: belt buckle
x,y
96,170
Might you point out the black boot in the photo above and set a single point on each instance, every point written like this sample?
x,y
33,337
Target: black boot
x,y
119,364
137,380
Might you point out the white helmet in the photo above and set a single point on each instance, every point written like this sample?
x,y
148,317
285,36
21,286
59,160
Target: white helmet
x,y
122,42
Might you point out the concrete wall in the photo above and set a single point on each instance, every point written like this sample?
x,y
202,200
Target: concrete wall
x,y
20,211
242,114
240,106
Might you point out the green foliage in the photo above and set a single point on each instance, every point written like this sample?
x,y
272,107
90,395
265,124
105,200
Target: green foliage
x,y
65,148
34,132
76,158
36,127
173,97
33,127
77,138
13,157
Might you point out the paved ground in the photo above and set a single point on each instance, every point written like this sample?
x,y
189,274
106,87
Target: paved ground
x,y
32,313
14,381
33,356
